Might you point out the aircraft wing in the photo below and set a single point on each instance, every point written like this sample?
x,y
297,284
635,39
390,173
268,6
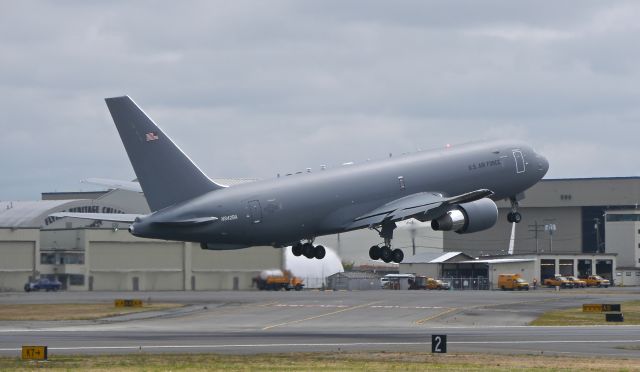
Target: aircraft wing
x,y
423,203
113,217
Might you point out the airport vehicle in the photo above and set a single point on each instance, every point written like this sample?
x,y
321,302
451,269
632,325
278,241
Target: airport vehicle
x,y
397,281
437,284
597,281
454,188
275,280
512,282
577,283
43,284
424,282
384,282
558,281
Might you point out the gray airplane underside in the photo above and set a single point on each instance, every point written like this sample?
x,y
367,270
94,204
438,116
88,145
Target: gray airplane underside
x,y
455,188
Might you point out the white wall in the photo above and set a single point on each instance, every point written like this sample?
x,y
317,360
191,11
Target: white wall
x,y
526,269
18,253
622,238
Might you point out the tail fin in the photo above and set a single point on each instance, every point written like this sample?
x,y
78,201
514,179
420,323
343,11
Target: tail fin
x,y
166,174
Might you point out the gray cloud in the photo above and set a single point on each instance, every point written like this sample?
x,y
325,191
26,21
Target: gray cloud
x,y
258,88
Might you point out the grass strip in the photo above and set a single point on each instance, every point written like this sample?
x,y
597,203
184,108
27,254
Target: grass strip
x,y
341,361
27,312
575,316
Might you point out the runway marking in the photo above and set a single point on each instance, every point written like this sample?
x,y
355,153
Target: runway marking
x,y
225,310
320,316
481,307
346,306
316,305
337,344
91,328
407,307
424,320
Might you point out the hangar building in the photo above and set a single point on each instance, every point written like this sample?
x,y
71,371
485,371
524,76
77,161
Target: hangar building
x,y
558,216
623,238
87,255
457,265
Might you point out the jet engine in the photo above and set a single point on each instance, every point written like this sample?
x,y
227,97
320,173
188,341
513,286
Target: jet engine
x,y
468,217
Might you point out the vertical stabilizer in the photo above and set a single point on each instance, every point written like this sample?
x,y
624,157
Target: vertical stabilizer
x,y
166,174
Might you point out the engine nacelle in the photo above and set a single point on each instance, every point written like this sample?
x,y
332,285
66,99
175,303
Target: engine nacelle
x,y
468,217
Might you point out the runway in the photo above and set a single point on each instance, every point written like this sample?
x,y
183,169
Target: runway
x,y
274,322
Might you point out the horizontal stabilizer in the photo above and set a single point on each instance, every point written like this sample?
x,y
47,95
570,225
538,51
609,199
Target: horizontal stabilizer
x,y
189,222
113,217
114,184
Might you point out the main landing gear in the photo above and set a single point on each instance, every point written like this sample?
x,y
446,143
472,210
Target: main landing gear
x,y
308,250
514,216
385,253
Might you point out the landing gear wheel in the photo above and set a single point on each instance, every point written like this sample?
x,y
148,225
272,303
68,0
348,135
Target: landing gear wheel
x,y
296,249
320,252
308,251
397,255
386,254
514,217
374,253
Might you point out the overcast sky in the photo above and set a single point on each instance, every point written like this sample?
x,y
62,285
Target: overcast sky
x,y
256,88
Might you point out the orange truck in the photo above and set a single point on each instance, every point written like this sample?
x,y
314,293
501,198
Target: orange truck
x,y
558,281
275,280
512,282
424,282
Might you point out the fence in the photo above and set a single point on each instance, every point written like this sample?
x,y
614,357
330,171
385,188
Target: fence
x,y
479,283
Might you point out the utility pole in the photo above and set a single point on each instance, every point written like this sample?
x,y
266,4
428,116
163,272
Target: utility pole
x,y
597,227
535,229
550,228
413,231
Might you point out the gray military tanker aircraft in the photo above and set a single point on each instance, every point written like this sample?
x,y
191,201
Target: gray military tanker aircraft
x,y
454,188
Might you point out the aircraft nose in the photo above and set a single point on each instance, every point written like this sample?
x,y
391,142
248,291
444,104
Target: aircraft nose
x,y
543,164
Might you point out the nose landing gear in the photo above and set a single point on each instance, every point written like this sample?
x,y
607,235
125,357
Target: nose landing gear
x,y
514,216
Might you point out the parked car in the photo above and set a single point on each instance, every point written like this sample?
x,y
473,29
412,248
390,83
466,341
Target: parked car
x,y
597,281
577,283
43,283
437,284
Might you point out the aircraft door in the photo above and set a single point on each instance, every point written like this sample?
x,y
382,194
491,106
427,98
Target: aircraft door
x,y
519,158
254,211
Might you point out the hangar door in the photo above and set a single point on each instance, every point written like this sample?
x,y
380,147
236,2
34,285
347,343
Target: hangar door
x,y
16,255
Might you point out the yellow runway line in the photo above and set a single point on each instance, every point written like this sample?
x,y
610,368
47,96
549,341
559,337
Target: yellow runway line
x,y
424,320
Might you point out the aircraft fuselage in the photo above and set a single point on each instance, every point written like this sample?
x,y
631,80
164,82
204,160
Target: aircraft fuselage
x,y
284,210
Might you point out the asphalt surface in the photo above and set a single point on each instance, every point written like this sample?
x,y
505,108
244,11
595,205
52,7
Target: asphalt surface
x,y
317,321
